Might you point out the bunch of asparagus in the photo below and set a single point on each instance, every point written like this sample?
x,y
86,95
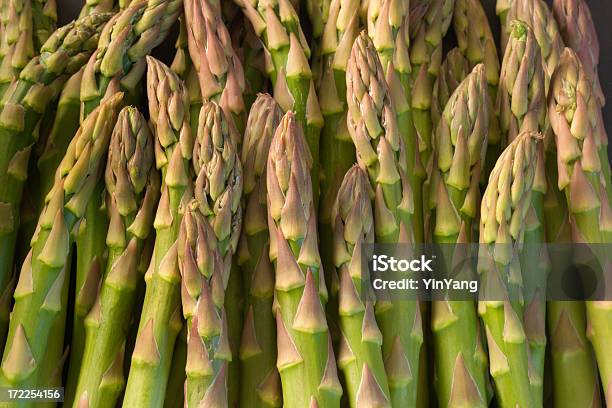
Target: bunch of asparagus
x,y
197,234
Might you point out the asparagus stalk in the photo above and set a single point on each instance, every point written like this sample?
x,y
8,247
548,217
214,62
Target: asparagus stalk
x,y
305,359
360,355
119,61
454,69
372,123
260,385
277,24
475,39
429,22
460,144
476,42
583,174
90,264
17,41
337,152
521,107
538,16
25,27
578,31
251,52
388,26
175,395
221,79
219,71
35,341
160,319
501,9
65,124
23,105
132,188
208,239
505,206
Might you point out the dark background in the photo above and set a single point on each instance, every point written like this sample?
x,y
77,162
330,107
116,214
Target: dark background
x,y
600,9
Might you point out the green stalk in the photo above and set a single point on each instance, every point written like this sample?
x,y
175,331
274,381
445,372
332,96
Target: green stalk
x,y
305,359
221,79
430,21
538,16
132,189
35,341
97,6
583,174
160,319
22,108
501,9
25,26
337,152
360,354
505,206
65,124
175,394
119,61
207,241
453,71
388,26
90,266
250,52
277,24
521,107
217,73
460,144
574,373
259,383
578,32
380,150
475,41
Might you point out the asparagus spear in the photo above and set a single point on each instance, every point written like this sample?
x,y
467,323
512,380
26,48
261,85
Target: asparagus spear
x,y
132,188
429,22
460,144
260,385
475,40
160,319
119,60
453,71
380,150
538,16
501,9
219,71
337,152
65,124
277,24
305,356
505,206
221,79
23,105
25,26
360,355
35,341
388,26
521,107
208,239
578,31
17,41
583,174
251,52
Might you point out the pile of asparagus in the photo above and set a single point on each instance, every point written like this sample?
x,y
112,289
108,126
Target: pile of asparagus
x,y
198,242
